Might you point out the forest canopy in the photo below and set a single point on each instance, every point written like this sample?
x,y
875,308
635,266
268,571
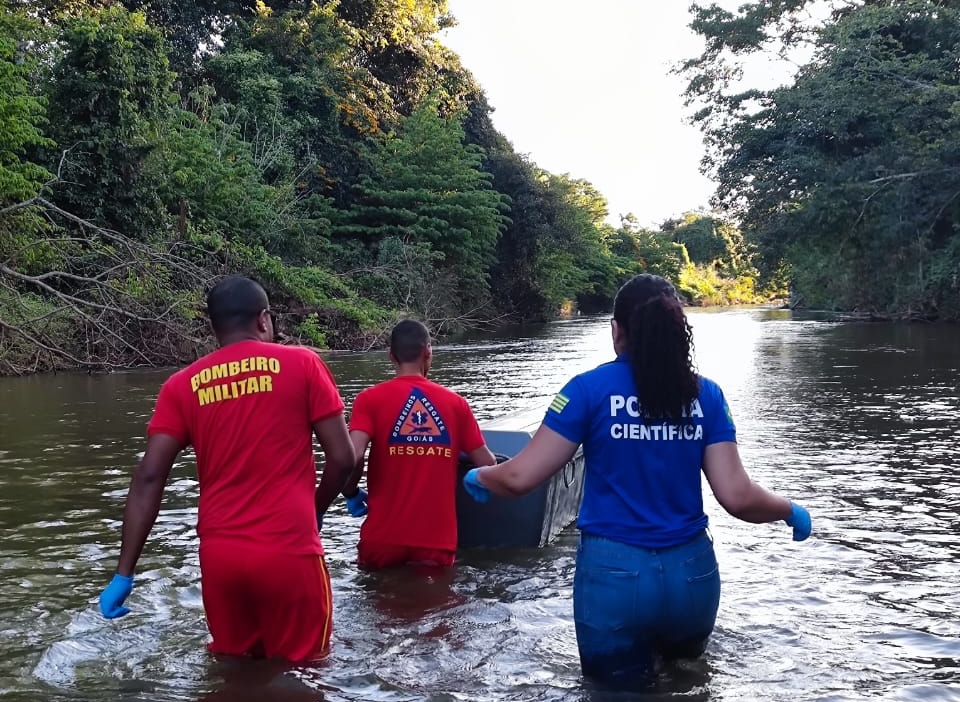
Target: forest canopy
x,y
848,177
338,152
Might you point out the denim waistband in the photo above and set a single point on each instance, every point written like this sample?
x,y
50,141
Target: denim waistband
x,y
601,542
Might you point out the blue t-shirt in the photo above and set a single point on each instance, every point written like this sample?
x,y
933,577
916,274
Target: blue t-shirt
x,y
642,481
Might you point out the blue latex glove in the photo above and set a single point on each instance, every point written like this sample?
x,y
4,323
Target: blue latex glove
x,y
799,519
477,490
357,505
113,595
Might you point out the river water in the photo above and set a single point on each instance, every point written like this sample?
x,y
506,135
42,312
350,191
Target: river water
x,y
857,422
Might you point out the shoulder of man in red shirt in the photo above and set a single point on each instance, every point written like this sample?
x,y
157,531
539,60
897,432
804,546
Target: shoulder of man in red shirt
x,y
388,403
300,366
399,388
255,353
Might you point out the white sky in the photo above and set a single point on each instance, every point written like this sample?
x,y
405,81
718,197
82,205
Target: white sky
x,y
584,88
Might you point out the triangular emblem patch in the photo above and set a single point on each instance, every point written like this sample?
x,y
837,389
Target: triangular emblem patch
x,y
419,422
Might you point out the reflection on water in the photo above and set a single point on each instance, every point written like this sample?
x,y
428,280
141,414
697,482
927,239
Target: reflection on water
x,y
858,422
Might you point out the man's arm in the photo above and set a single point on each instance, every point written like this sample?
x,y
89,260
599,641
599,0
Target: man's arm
x,y
482,456
139,514
339,459
473,435
144,497
360,441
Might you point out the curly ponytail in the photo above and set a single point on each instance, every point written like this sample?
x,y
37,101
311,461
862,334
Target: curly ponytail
x,y
659,346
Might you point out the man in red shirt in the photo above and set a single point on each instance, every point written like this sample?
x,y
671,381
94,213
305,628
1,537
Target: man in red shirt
x,y
417,429
250,410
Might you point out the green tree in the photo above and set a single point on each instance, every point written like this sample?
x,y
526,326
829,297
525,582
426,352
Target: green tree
x,y
641,250
22,118
394,41
429,189
22,113
110,91
849,174
301,103
207,173
191,27
712,241
516,278
699,236
574,260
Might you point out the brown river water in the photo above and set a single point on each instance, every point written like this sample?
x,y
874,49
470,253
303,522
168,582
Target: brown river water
x,y
858,422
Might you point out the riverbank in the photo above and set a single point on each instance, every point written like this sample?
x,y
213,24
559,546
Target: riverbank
x,y
176,342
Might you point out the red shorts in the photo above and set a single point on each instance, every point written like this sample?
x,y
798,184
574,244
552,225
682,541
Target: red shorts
x,y
273,605
381,555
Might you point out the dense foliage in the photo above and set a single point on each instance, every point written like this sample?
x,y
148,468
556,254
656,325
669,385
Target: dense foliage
x,y
848,178
333,149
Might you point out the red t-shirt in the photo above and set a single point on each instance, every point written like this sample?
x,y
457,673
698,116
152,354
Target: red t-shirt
x,y
418,430
248,410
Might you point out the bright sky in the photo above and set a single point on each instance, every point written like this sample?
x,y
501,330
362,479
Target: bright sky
x,y
584,88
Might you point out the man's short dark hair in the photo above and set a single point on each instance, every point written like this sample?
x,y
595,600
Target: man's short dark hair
x,y
408,340
234,303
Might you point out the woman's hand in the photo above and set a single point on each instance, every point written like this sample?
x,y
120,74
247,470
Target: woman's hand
x,y
800,520
477,490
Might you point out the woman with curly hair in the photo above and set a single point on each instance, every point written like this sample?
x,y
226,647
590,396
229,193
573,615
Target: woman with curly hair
x,y
647,584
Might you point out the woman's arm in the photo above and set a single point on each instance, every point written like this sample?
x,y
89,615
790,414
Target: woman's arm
x,y
546,453
734,489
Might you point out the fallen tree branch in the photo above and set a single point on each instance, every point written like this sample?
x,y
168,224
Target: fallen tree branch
x,y
110,301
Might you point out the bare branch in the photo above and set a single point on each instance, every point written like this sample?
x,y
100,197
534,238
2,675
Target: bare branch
x,y
111,302
914,174
18,206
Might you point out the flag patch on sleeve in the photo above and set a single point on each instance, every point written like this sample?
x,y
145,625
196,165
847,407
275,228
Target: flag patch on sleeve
x,y
559,402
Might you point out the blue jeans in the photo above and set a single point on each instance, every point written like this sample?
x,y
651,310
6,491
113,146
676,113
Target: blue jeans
x,y
633,606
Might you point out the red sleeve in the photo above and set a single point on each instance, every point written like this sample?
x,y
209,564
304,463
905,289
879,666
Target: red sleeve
x,y
168,417
472,436
323,397
361,417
